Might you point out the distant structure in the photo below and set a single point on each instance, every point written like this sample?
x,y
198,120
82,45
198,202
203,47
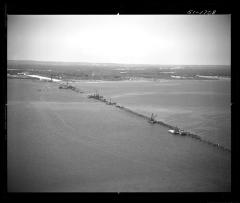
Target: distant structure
x,y
152,118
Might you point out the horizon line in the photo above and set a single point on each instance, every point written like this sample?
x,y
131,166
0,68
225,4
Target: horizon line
x,y
27,60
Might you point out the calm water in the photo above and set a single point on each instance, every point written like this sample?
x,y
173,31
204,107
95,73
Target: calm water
x,y
199,106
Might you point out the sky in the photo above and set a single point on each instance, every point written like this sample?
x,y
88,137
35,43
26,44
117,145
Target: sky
x,y
131,39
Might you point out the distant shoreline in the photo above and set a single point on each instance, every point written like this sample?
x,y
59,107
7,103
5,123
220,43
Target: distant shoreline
x,y
117,72
111,64
133,79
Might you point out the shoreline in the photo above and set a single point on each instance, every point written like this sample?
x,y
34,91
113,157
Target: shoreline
x,y
23,75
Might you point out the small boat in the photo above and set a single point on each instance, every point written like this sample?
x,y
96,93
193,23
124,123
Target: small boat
x,y
177,132
173,131
182,132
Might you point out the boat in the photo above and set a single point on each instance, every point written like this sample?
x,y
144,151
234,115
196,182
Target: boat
x,y
177,132
182,132
173,131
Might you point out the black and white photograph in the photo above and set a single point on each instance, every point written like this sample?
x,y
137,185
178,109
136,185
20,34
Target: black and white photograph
x,y
119,103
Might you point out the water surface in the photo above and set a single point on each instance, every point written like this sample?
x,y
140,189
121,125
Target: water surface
x,y
199,106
